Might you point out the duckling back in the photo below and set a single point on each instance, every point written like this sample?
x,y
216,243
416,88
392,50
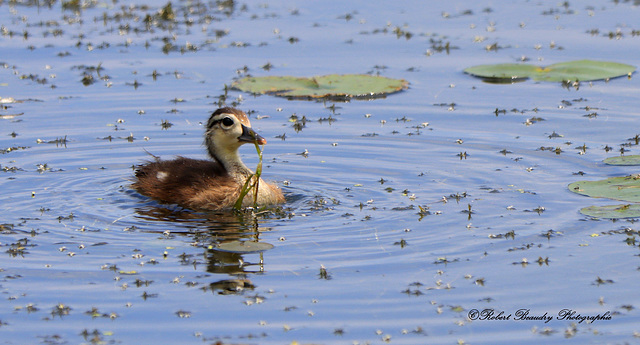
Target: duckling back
x,y
183,180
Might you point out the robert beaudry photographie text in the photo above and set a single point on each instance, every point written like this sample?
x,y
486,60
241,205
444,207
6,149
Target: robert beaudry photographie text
x,y
526,315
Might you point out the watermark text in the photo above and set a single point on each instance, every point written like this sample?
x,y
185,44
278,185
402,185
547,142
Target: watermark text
x,y
523,314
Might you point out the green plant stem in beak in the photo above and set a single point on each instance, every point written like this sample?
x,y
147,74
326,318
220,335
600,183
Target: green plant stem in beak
x,y
252,182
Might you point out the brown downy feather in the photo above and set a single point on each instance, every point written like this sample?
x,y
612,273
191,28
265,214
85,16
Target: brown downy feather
x,y
185,182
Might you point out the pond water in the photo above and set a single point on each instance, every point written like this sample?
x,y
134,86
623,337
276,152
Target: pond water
x,y
404,216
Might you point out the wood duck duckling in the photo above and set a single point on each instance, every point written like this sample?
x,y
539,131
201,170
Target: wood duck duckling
x,y
209,184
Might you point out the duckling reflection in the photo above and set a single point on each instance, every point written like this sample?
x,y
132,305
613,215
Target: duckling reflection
x,y
232,263
184,220
210,230
231,286
209,184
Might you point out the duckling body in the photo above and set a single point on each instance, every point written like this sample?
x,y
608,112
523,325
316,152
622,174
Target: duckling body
x,y
209,184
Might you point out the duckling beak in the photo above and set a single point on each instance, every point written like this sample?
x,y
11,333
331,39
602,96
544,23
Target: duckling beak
x,y
250,136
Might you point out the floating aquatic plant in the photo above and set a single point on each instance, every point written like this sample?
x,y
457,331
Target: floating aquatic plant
x,y
612,211
344,86
623,160
625,188
572,71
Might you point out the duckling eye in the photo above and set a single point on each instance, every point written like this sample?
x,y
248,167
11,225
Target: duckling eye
x,y
227,122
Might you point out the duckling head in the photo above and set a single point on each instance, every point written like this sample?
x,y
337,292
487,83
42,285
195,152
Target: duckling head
x,y
227,130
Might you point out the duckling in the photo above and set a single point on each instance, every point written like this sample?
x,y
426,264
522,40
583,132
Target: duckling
x,y
209,184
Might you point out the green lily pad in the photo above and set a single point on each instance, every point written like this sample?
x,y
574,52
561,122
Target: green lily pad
x,y
344,86
612,211
623,160
625,188
579,70
507,71
244,247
